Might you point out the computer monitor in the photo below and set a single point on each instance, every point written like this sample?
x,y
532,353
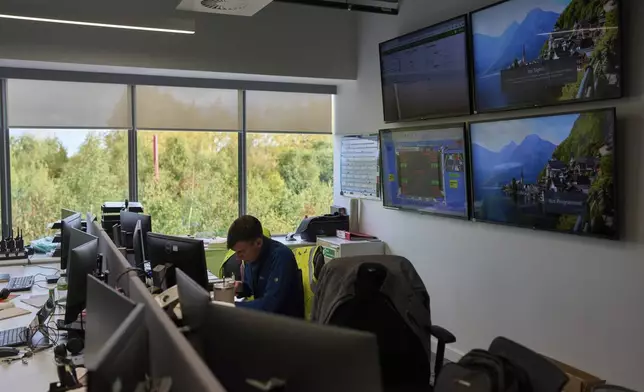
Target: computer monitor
x,y
138,243
187,254
90,218
128,223
122,362
194,302
82,262
107,309
241,346
77,238
116,235
70,222
64,213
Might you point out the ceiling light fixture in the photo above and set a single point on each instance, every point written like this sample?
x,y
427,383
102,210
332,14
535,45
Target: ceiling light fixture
x,y
112,26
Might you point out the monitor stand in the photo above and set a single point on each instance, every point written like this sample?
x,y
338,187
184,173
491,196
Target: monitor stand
x,y
77,327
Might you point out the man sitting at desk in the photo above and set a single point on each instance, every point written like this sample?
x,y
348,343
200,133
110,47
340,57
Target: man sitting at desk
x,y
270,272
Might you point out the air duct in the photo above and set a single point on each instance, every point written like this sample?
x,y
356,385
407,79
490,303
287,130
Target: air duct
x,y
225,7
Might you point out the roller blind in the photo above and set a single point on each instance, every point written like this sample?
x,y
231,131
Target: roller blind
x,y
38,103
186,108
289,112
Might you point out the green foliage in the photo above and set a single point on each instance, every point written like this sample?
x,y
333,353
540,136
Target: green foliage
x,y
569,91
299,169
196,190
566,222
585,139
579,10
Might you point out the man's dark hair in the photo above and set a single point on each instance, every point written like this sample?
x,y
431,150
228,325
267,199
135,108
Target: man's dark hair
x,y
245,228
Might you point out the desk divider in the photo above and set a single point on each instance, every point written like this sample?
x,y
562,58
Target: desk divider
x,y
171,355
115,263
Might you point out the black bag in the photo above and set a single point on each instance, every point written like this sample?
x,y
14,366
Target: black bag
x,y
480,371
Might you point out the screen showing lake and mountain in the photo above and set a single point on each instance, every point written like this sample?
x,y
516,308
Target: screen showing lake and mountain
x,y
425,73
425,170
551,173
545,52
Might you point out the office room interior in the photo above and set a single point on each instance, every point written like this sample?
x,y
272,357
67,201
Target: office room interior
x,y
194,116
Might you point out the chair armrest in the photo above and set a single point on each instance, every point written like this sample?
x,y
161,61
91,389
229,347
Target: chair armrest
x,y
442,334
444,337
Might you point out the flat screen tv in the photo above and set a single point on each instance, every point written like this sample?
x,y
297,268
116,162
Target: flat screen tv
x,y
551,173
546,52
425,74
424,169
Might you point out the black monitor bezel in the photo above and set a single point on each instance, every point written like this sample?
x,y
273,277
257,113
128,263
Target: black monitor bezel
x,y
472,58
616,186
468,53
466,147
64,240
152,237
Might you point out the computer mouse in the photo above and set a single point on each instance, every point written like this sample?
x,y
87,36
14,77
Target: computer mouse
x,y
8,352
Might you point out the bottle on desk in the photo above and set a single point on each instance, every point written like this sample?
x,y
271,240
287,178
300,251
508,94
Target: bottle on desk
x,y
61,289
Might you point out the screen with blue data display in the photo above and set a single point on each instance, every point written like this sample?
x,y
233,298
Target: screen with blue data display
x,y
425,73
424,169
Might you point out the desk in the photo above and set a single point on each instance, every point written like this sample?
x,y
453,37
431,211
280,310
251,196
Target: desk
x,y
41,369
297,243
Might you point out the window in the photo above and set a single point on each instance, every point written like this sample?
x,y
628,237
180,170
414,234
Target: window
x,y
57,168
289,176
191,185
69,149
186,108
66,149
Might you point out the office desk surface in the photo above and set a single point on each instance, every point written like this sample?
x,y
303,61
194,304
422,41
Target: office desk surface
x,y
296,243
41,369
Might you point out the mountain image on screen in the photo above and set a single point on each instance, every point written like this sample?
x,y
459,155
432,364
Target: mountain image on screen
x,y
513,161
553,173
541,52
529,36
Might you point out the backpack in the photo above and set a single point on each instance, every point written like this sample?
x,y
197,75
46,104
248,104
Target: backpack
x,y
480,371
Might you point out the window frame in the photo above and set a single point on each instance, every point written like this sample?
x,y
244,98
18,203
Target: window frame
x,y
132,81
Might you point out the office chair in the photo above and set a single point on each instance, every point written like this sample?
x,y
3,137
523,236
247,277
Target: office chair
x,y
544,376
610,388
404,362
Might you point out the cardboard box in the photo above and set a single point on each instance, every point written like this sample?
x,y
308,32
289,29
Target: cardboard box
x,y
578,380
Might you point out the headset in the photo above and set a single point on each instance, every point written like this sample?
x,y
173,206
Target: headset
x,y
74,345
4,294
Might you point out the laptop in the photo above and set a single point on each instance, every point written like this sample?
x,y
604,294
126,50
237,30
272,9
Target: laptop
x,y
22,336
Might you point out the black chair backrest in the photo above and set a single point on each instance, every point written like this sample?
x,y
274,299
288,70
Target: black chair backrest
x,y
231,267
544,375
404,362
611,388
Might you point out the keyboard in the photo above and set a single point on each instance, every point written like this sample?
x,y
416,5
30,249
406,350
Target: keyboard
x,y
14,337
22,283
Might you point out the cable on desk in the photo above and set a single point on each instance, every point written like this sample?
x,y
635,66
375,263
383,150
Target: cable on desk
x,y
51,268
131,269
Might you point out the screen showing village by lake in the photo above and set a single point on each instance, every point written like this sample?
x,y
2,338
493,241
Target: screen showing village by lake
x,y
550,173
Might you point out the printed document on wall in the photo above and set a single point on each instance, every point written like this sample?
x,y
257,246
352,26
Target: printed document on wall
x,y
359,172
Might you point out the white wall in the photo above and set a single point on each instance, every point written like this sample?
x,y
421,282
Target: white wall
x,y
579,300
283,40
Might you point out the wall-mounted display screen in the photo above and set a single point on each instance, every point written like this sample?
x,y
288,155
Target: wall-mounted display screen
x,y
425,73
552,173
546,52
424,169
